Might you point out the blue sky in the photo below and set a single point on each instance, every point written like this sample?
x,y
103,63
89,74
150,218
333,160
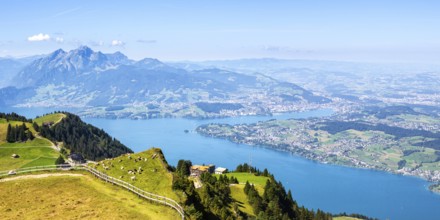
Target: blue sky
x,y
374,30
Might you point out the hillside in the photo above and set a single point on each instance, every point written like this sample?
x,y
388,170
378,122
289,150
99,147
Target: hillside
x,y
237,190
39,151
83,138
149,168
74,197
55,132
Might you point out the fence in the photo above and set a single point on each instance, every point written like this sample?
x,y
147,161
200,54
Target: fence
x,y
141,193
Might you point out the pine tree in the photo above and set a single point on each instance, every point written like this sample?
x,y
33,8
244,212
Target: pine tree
x,y
29,135
265,172
16,132
21,133
247,186
36,127
9,134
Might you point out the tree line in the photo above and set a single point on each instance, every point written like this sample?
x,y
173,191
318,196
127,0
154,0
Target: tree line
x,y
18,133
14,117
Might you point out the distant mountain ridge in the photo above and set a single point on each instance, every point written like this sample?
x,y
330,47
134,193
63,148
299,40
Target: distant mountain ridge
x,y
60,64
10,66
87,79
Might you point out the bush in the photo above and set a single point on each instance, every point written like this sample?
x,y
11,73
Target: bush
x,y
60,160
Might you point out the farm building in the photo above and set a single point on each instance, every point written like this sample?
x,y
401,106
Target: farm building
x,y
197,170
221,170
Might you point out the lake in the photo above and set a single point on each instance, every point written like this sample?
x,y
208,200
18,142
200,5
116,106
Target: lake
x,y
328,187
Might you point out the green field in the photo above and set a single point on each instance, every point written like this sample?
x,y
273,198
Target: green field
x,y
29,156
68,197
153,178
237,193
49,118
32,153
243,177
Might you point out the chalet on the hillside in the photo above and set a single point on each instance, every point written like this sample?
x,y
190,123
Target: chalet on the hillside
x,y
221,170
76,158
197,170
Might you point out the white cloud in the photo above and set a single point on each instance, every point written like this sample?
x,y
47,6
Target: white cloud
x,y
39,37
117,43
59,39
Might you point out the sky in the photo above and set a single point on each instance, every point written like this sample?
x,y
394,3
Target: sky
x,y
370,31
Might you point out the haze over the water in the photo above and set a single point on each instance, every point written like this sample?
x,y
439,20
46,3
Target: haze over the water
x,y
371,31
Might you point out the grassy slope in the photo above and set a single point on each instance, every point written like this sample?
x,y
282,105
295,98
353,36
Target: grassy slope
x,y
154,178
238,194
240,198
32,153
74,198
50,118
28,157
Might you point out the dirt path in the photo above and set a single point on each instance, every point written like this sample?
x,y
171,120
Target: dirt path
x,y
38,176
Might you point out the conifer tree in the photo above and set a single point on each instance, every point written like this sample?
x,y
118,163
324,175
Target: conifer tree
x,y
9,134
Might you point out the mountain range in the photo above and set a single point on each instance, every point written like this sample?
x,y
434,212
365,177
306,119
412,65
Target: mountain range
x,y
92,80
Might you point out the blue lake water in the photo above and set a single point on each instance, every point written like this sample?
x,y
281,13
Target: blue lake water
x,y
314,185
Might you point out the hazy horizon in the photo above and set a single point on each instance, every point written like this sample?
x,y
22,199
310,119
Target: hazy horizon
x,y
374,31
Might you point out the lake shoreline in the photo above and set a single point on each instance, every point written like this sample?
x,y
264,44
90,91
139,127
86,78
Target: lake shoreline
x,y
320,159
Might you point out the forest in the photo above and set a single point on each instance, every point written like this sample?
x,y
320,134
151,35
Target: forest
x,y
79,137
